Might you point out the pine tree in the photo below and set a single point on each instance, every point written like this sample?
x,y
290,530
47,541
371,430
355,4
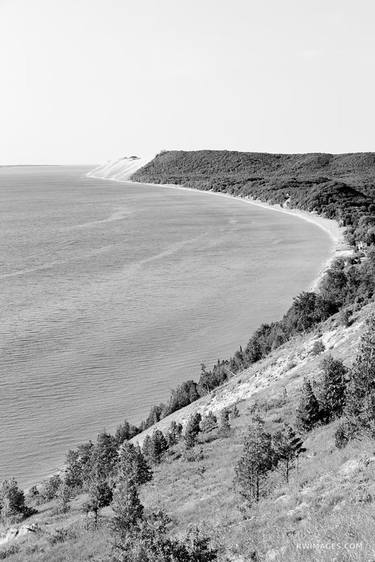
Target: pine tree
x,y
174,433
100,495
159,446
64,495
256,462
308,411
360,394
192,429
78,466
333,388
147,448
132,465
104,456
287,447
208,423
127,508
224,426
12,500
125,431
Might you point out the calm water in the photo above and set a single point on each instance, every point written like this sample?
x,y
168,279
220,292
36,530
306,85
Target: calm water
x,y
111,294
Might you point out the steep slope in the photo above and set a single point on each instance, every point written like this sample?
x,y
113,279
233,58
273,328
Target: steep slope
x,y
337,186
328,500
118,170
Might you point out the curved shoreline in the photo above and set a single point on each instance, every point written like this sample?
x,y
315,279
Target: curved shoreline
x,y
331,227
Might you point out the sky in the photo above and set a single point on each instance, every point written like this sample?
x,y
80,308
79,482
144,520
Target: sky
x,y
84,81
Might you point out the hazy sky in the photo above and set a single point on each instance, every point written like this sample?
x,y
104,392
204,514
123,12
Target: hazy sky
x,y
83,81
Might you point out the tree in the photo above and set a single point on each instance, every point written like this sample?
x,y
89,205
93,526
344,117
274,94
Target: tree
x,y
208,423
141,538
100,495
125,431
308,411
334,284
78,466
174,433
147,448
182,396
127,508
192,429
156,414
159,446
104,456
132,465
12,500
333,388
63,495
256,462
154,447
287,446
224,422
51,487
360,394
307,310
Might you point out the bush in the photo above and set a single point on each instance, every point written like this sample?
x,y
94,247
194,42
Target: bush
x,y
208,423
317,348
50,488
193,455
12,501
344,318
61,535
10,551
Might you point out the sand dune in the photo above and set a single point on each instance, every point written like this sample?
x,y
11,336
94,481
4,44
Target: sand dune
x,y
119,170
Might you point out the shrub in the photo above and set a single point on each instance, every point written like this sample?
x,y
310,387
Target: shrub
x,y
12,501
193,455
208,423
224,426
341,436
10,551
50,487
318,347
61,535
344,318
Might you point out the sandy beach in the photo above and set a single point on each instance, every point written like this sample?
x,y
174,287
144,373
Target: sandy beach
x,y
340,247
122,170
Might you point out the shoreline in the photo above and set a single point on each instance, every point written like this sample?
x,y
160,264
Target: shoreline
x,y
329,226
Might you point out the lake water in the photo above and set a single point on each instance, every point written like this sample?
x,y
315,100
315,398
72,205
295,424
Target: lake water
x,y
111,294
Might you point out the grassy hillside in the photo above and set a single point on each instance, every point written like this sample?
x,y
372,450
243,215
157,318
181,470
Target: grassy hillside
x,y
328,500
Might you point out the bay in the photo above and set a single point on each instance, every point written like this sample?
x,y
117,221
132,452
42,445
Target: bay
x,y
111,294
